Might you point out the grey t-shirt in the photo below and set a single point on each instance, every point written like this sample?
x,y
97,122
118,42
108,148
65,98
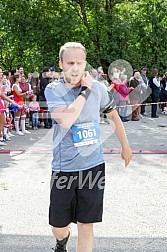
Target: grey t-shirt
x,y
66,156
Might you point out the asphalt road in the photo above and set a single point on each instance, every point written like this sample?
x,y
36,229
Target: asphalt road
x,y
135,209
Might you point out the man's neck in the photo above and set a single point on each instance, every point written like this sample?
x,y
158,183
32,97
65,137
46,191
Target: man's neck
x,y
71,86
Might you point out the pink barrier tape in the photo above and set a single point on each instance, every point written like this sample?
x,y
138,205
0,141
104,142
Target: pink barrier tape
x,y
106,151
128,105
143,104
137,151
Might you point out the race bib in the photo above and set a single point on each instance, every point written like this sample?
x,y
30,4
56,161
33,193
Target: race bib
x,y
85,133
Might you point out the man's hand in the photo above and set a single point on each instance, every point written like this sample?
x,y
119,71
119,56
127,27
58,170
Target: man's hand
x,y
87,80
126,154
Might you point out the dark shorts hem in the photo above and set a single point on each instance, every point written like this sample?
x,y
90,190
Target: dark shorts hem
x,y
77,204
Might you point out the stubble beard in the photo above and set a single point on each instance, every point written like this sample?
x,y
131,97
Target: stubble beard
x,y
71,84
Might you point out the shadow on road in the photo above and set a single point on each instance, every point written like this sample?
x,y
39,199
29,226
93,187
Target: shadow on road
x,y
36,243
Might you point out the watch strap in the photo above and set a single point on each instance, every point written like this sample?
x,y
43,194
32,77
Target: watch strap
x,y
85,92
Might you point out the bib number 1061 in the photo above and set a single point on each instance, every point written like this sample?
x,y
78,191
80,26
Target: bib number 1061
x,y
84,134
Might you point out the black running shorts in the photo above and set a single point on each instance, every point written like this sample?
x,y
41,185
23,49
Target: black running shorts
x,y
77,196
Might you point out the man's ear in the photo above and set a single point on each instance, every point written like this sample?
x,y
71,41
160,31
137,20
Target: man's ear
x,y
60,64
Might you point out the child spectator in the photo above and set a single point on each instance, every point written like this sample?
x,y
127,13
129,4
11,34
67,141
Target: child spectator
x,y
34,109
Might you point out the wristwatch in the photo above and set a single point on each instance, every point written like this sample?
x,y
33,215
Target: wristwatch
x,y
85,92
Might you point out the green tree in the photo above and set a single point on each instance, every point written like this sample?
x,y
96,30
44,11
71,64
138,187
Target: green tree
x,y
32,31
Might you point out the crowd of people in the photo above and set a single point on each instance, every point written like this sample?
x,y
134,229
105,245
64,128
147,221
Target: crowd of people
x,y
22,97
136,92
75,99
22,100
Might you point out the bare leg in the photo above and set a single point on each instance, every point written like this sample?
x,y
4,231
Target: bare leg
x,y
2,121
16,120
85,237
60,233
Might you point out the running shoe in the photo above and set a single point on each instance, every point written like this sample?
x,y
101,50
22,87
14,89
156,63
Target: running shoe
x,y
19,133
26,132
10,134
61,246
2,143
6,137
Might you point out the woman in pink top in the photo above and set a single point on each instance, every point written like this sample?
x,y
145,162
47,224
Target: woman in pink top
x,y
123,97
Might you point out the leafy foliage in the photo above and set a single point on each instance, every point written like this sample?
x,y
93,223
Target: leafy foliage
x,y
32,31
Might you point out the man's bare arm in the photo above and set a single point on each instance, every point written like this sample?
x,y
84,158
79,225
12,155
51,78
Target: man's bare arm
x,y
121,135
66,116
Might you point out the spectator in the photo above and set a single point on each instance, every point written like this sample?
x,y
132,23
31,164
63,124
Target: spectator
x,y
29,78
13,73
163,94
55,77
21,71
134,96
2,108
114,87
154,83
52,72
44,81
8,78
95,74
20,114
123,97
35,84
25,87
34,109
145,90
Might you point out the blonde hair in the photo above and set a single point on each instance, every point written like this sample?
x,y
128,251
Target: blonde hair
x,y
70,45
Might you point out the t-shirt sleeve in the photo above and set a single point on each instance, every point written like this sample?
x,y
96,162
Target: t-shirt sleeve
x,y
106,98
54,100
